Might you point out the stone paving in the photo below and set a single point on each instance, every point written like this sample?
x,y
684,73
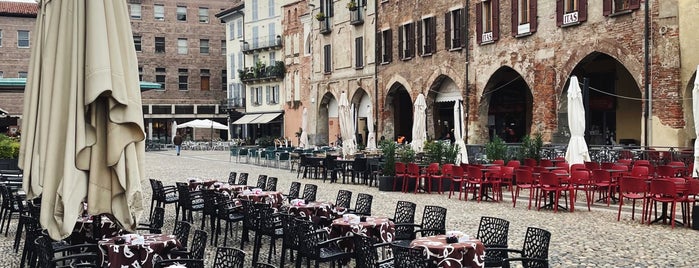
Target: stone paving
x,y
580,239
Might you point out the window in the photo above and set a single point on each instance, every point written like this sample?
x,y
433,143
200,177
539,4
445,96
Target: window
x,y
137,42
254,10
160,75
183,79
135,11
255,37
427,36
0,38
359,52
255,58
619,7
22,74
570,12
270,5
205,79
524,22
386,46
140,73
160,45
181,13
223,47
455,28
204,46
182,46
2,74
203,15
487,21
271,40
406,41
224,79
327,59
256,93
158,12
23,39
231,65
272,57
272,94
231,31
239,26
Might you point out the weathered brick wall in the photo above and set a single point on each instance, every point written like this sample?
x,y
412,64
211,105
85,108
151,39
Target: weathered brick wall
x,y
297,62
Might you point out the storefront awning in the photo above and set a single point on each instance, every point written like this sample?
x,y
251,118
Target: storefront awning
x,y
246,119
448,96
265,118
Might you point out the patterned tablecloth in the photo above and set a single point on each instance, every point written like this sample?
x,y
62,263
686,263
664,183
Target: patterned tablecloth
x,y
231,190
116,253
317,212
464,254
273,198
197,184
380,228
108,229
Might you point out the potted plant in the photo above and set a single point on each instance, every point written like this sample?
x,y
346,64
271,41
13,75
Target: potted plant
x,y
352,5
388,169
9,152
496,149
320,16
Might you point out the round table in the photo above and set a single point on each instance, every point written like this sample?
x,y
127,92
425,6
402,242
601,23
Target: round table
x,y
107,228
136,255
316,211
448,255
273,198
196,185
380,228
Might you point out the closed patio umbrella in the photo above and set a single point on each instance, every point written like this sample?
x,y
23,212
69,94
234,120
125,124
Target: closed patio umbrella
x,y
83,134
371,137
577,152
303,140
459,133
174,130
419,124
695,112
349,145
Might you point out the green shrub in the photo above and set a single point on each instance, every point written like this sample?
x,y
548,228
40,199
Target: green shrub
x,y
9,147
496,149
388,148
406,154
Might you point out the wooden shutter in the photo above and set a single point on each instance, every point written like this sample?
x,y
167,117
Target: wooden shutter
x,y
515,17
464,27
533,17
401,30
389,45
559,12
379,46
479,22
331,8
433,34
582,10
635,4
419,33
447,30
496,19
322,8
607,7
268,94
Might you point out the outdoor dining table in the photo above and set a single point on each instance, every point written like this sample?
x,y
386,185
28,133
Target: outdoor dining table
x,y
230,189
118,252
107,229
470,253
380,228
317,212
197,184
273,198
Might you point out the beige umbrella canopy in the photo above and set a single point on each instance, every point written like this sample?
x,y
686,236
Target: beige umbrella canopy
x,y
83,134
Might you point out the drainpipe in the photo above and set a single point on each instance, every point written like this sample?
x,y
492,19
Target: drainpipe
x,y
468,23
646,51
376,69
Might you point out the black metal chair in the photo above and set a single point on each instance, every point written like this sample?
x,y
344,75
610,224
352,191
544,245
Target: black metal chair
x,y
366,253
407,257
316,246
433,222
29,250
268,224
197,249
156,224
343,199
405,213
329,165
181,231
492,232
309,192
360,169
251,217
23,209
189,263
227,212
291,237
51,255
294,190
261,181
189,201
271,184
229,258
231,177
363,204
534,252
242,179
210,209
165,195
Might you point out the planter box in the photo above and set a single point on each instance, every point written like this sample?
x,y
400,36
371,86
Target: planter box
x,y
8,164
386,183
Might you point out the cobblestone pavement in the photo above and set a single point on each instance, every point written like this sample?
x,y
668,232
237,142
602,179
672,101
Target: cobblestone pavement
x,y
580,239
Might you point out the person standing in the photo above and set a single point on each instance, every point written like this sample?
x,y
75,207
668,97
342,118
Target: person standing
x,y
177,140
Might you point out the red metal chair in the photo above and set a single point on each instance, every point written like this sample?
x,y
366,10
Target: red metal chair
x,y
530,162
524,180
476,181
635,189
434,174
576,167
625,161
592,165
545,163
412,174
549,184
663,171
580,180
514,163
499,162
563,165
457,178
401,171
663,191
602,180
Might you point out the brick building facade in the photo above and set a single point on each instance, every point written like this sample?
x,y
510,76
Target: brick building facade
x,y
297,57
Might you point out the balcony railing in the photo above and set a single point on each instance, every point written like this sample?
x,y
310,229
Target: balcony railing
x,y
236,103
262,43
262,73
325,26
357,16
